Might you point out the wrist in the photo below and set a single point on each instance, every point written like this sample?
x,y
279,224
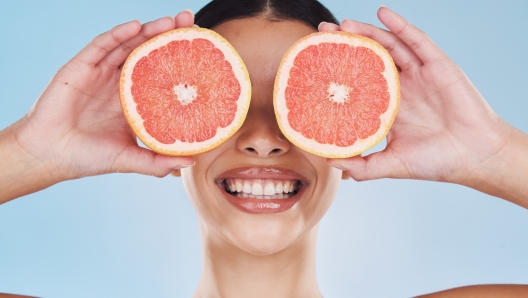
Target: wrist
x,y
23,170
503,174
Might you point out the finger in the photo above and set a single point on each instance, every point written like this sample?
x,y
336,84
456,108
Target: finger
x,y
184,19
413,37
143,161
148,31
374,166
324,26
403,56
105,43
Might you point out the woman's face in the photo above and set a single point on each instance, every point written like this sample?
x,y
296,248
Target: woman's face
x,y
258,160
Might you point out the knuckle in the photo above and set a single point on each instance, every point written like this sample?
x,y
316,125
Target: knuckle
x,y
159,175
126,48
391,47
357,177
414,45
98,47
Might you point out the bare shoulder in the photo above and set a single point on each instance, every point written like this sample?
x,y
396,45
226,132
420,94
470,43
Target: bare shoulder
x,y
483,291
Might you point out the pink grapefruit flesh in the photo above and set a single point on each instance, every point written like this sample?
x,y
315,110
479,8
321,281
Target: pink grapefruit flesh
x,y
185,91
336,94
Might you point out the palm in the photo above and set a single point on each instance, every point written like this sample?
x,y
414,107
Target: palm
x,y
77,127
99,132
436,135
443,122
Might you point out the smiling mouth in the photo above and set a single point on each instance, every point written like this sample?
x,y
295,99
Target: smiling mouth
x,y
263,189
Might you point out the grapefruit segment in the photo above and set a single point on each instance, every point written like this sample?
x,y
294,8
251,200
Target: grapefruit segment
x,y
185,91
336,94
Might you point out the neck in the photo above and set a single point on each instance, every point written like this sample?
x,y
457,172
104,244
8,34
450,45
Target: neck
x,y
229,271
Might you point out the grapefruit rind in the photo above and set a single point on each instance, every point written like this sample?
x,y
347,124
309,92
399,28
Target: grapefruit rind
x,y
281,82
179,148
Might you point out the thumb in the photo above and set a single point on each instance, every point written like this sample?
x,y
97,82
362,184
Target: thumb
x,y
143,161
373,166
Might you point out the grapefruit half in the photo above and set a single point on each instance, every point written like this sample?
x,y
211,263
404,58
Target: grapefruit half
x,y
336,94
185,91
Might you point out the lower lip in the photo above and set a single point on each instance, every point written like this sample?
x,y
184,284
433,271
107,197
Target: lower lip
x,y
251,205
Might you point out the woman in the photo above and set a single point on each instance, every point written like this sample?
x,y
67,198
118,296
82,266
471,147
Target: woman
x,y
267,254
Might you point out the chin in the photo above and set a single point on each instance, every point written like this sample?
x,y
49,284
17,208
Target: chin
x,y
259,210
263,238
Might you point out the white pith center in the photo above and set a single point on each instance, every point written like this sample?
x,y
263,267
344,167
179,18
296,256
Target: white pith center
x,y
262,188
338,93
185,93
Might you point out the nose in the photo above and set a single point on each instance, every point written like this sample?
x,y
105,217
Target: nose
x,y
260,135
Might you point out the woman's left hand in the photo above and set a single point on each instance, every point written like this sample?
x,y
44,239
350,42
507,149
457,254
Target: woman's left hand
x,y
444,130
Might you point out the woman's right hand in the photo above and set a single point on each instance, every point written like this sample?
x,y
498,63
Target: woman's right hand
x,y
76,127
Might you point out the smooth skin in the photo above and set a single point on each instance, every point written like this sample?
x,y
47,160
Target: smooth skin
x,y
76,129
260,255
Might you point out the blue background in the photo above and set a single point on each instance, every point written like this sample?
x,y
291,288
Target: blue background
x,y
127,235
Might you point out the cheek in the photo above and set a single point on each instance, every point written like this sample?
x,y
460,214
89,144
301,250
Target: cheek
x,y
203,197
326,187
199,187
192,187
327,191
331,181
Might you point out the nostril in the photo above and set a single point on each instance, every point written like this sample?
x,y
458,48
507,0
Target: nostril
x,y
272,152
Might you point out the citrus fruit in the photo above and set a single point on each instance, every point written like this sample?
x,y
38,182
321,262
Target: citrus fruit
x,y
336,94
185,91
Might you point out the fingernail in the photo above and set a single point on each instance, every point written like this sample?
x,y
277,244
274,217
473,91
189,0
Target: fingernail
x,y
190,11
195,26
322,23
178,167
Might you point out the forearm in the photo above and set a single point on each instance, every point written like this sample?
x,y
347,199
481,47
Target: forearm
x,y
505,175
20,172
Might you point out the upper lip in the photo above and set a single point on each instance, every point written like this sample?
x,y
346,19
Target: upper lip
x,y
262,173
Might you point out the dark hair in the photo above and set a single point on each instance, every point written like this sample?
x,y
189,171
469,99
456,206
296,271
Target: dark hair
x,y
310,12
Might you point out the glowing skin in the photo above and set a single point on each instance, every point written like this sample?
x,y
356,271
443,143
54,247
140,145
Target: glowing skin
x,y
68,135
260,252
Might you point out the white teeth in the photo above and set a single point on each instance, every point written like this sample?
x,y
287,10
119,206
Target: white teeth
x,y
247,187
256,190
287,186
263,197
262,188
278,187
269,190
